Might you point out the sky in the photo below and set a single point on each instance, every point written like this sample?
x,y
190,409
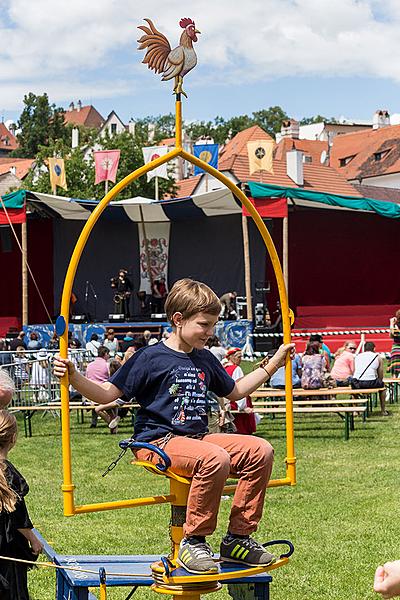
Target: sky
x,y
329,57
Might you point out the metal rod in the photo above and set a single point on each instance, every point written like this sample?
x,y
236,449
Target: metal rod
x,y
247,272
25,299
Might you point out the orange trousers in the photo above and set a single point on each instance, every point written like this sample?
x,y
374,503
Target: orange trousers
x,y
209,462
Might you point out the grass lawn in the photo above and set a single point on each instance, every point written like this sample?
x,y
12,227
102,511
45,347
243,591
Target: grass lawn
x,y
343,515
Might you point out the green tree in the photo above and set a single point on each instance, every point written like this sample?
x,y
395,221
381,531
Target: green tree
x,y
41,124
270,119
317,119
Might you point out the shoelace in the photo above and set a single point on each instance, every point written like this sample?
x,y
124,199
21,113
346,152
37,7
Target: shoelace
x,y
252,544
201,550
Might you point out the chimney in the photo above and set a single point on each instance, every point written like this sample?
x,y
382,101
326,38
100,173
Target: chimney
x,y
294,166
290,129
71,107
380,119
78,105
75,138
13,170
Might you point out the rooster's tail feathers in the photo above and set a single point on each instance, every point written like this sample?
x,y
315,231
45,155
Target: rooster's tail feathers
x,y
157,47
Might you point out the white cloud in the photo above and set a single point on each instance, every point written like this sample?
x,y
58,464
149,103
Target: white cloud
x,y
87,48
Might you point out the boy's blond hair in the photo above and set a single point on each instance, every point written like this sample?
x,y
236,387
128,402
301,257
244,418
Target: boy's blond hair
x,y
190,297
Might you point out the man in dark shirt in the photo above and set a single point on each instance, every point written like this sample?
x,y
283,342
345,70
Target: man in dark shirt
x,y
18,341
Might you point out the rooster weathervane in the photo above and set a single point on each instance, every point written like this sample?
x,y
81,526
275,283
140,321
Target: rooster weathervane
x,y
161,58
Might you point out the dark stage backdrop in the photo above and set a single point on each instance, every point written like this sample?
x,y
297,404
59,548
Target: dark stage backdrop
x,y
40,259
341,258
209,249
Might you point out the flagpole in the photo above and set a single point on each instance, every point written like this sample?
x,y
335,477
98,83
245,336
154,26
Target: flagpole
x,y
106,187
24,245
247,275
156,188
206,182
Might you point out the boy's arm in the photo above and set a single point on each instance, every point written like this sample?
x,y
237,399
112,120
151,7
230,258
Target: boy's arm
x,y
252,381
101,393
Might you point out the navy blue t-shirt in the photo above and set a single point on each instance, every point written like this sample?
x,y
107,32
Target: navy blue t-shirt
x,y
171,389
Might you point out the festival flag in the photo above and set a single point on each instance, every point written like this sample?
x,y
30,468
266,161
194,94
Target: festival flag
x,y
13,208
268,207
57,173
151,153
106,165
208,153
260,155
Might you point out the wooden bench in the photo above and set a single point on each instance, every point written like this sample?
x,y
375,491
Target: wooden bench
x,y
345,412
30,410
392,384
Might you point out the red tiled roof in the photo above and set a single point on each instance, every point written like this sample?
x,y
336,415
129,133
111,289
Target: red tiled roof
x,y
313,148
238,146
167,142
22,166
7,139
317,177
379,193
186,187
87,116
363,146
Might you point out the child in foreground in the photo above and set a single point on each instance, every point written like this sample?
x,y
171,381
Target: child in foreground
x,y
170,381
17,539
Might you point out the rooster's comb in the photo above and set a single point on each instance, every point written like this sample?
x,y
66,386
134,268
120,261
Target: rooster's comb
x,y
185,22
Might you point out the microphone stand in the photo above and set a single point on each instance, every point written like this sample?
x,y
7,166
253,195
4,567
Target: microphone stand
x,y
95,301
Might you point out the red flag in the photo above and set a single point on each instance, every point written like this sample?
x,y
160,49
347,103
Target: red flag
x,y
269,207
106,163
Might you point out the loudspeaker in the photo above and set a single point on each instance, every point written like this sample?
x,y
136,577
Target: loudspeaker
x,y
265,344
116,317
158,317
78,319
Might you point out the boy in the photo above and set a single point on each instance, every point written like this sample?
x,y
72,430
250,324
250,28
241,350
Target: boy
x,y
170,381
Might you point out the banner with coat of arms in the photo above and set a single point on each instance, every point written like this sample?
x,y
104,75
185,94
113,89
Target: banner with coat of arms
x,y
157,237
208,153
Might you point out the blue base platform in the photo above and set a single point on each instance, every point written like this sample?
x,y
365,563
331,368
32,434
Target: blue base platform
x,y
74,585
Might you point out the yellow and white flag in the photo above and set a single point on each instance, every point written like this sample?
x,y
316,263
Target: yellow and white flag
x,y
260,154
57,173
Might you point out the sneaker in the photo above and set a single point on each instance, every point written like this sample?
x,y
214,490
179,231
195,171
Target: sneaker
x,y
246,551
114,422
196,557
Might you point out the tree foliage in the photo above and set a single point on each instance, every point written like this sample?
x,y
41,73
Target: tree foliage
x,y
41,124
317,119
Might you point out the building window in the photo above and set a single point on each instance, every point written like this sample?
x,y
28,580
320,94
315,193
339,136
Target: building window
x,y
113,128
345,161
380,155
307,159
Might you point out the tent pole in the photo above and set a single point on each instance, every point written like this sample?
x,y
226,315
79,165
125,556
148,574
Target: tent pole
x,y
285,253
247,275
156,188
24,245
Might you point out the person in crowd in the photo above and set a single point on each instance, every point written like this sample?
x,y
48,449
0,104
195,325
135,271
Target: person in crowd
x,y
33,343
122,287
21,371
40,376
17,538
93,345
117,406
5,355
368,373
214,346
314,367
277,380
323,348
387,580
111,342
98,370
18,341
54,342
245,419
7,388
147,338
394,363
343,367
228,304
170,381
129,340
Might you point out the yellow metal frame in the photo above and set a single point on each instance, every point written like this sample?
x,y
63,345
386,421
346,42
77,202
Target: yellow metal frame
x,y
68,487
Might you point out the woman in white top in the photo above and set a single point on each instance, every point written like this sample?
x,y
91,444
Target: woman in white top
x,y
368,373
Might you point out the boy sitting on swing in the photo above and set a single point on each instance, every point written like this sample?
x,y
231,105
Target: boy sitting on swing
x,y
169,381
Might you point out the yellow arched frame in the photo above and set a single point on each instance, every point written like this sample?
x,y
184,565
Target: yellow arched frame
x,y
68,487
